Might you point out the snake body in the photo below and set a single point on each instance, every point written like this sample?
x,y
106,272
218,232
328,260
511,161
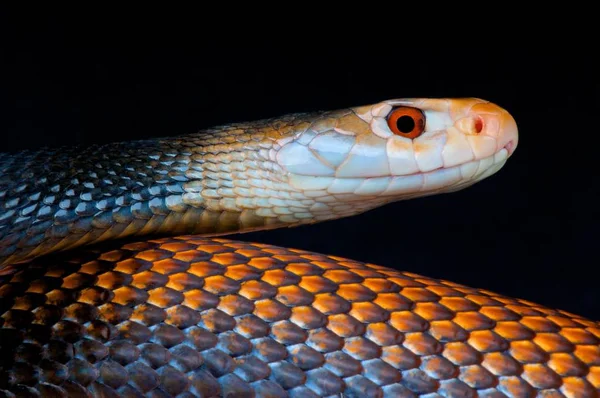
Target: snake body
x,y
177,311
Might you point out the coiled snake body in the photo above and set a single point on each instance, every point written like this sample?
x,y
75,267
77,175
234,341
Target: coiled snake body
x,y
177,311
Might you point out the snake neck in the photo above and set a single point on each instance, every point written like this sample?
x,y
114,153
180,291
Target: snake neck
x,y
217,181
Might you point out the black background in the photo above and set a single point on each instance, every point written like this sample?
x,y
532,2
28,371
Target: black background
x,y
530,231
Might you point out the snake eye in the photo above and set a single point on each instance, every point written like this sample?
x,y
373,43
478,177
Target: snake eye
x,y
406,122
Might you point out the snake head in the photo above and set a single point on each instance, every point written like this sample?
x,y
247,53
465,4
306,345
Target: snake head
x,y
398,149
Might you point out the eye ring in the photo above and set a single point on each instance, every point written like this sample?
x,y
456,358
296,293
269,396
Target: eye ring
x,y
406,121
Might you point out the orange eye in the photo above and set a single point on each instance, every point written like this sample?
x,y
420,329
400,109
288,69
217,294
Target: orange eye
x,y
406,122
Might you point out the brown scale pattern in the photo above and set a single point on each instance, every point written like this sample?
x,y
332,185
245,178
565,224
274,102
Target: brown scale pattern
x,y
195,317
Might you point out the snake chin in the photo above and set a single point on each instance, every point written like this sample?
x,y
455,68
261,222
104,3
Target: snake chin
x,y
483,168
367,192
358,195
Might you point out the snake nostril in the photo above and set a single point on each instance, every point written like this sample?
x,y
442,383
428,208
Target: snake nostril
x,y
478,124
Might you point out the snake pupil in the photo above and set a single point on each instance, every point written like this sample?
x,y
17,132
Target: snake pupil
x,y
405,124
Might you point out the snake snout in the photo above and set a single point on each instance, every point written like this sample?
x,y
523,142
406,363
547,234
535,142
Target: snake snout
x,y
509,133
497,123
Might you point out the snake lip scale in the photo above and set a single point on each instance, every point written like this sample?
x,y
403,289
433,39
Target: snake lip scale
x,y
175,310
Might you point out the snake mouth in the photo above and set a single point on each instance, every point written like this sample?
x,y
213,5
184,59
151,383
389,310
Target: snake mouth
x,y
454,178
397,187
510,147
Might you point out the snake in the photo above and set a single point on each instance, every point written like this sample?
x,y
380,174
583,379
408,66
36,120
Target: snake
x,y
117,279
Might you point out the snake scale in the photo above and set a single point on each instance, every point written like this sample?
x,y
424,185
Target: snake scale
x,y
115,280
